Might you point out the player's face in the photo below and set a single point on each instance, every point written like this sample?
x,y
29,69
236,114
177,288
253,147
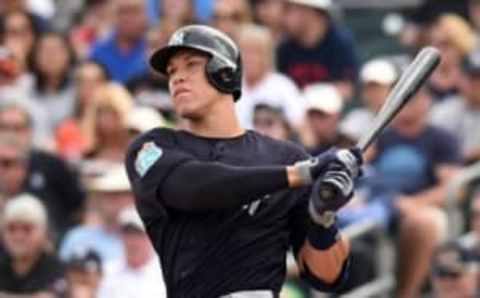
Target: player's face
x,y
191,93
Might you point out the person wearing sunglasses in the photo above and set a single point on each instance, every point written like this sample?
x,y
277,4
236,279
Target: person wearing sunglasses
x,y
455,272
28,268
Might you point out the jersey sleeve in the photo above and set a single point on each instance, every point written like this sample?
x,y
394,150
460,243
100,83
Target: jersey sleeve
x,y
150,159
162,174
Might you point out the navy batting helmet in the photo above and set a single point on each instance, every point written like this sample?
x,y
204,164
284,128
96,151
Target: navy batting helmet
x,y
223,70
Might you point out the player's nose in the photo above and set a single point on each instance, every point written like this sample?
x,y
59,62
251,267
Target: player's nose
x,y
178,78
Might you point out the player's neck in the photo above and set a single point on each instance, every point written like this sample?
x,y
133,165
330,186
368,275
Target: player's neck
x,y
220,122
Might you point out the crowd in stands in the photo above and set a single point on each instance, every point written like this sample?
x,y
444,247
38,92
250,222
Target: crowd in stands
x,y
76,89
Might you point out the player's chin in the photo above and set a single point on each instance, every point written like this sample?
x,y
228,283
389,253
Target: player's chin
x,y
187,112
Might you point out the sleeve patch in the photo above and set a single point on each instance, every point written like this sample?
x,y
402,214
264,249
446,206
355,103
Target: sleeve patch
x,y
146,157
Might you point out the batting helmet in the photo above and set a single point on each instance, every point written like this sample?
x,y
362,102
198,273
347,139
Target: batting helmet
x,y
223,70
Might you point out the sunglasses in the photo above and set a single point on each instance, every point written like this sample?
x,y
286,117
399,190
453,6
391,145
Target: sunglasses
x,y
16,127
24,228
6,163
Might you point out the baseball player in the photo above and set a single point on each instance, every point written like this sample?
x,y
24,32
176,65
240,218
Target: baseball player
x,y
222,205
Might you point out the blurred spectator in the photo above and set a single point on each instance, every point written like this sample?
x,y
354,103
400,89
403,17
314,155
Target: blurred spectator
x,y
73,135
143,119
261,83
416,160
84,274
140,275
52,59
9,6
377,77
324,107
28,269
123,52
229,15
324,52
14,83
460,115
95,23
270,13
37,172
152,88
455,39
19,33
474,16
271,121
455,272
111,105
110,194
181,12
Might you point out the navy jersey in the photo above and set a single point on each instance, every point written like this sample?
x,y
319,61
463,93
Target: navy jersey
x,y
213,253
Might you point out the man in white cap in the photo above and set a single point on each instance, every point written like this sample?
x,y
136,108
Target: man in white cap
x,y
317,49
324,107
110,194
377,77
140,275
27,268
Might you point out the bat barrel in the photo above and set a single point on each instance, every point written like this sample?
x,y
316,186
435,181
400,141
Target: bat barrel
x,y
412,78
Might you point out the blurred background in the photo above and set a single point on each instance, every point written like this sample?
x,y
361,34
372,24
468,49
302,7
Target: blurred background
x,y
76,88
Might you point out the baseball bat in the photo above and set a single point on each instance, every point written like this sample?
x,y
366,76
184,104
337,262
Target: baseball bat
x,y
412,78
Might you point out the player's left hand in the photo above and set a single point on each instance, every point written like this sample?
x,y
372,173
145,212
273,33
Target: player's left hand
x,y
334,188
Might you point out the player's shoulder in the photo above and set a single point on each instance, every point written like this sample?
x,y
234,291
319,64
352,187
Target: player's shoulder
x,y
288,151
161,136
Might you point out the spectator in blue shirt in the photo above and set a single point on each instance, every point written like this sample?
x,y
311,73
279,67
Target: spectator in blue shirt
x,y
417,160
323,53
123,52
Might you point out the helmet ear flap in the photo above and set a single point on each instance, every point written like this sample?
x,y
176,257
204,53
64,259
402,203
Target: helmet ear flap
x,y
222,76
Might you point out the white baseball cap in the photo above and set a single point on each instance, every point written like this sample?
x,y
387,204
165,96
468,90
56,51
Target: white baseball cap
x,y
25,208
113,180
144,119
323,98
325,5
129,217
379,71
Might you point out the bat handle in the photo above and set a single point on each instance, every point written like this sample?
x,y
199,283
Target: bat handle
x,y
327,191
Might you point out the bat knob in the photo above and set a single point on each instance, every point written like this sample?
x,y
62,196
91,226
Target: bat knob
x,y
327,191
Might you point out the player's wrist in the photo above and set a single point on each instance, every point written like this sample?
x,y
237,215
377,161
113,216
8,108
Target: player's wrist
x,y
321,237
304,170
294,177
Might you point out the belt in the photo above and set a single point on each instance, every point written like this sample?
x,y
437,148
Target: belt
x,y
250,294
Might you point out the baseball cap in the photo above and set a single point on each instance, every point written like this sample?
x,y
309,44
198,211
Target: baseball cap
x,y
144,119
452,260
325,5
471,64
25,208
379,71
323,98
113,180
85,260
129,219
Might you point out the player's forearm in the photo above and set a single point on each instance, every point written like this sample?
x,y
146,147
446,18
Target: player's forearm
x,y
325,265
198,186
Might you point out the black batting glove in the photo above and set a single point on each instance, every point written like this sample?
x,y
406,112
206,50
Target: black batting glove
x,y
334,188
316,166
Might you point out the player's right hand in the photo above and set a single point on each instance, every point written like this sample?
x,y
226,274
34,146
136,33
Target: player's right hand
x,y
334,188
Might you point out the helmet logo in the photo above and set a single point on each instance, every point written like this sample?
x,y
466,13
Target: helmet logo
x,y
177,39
